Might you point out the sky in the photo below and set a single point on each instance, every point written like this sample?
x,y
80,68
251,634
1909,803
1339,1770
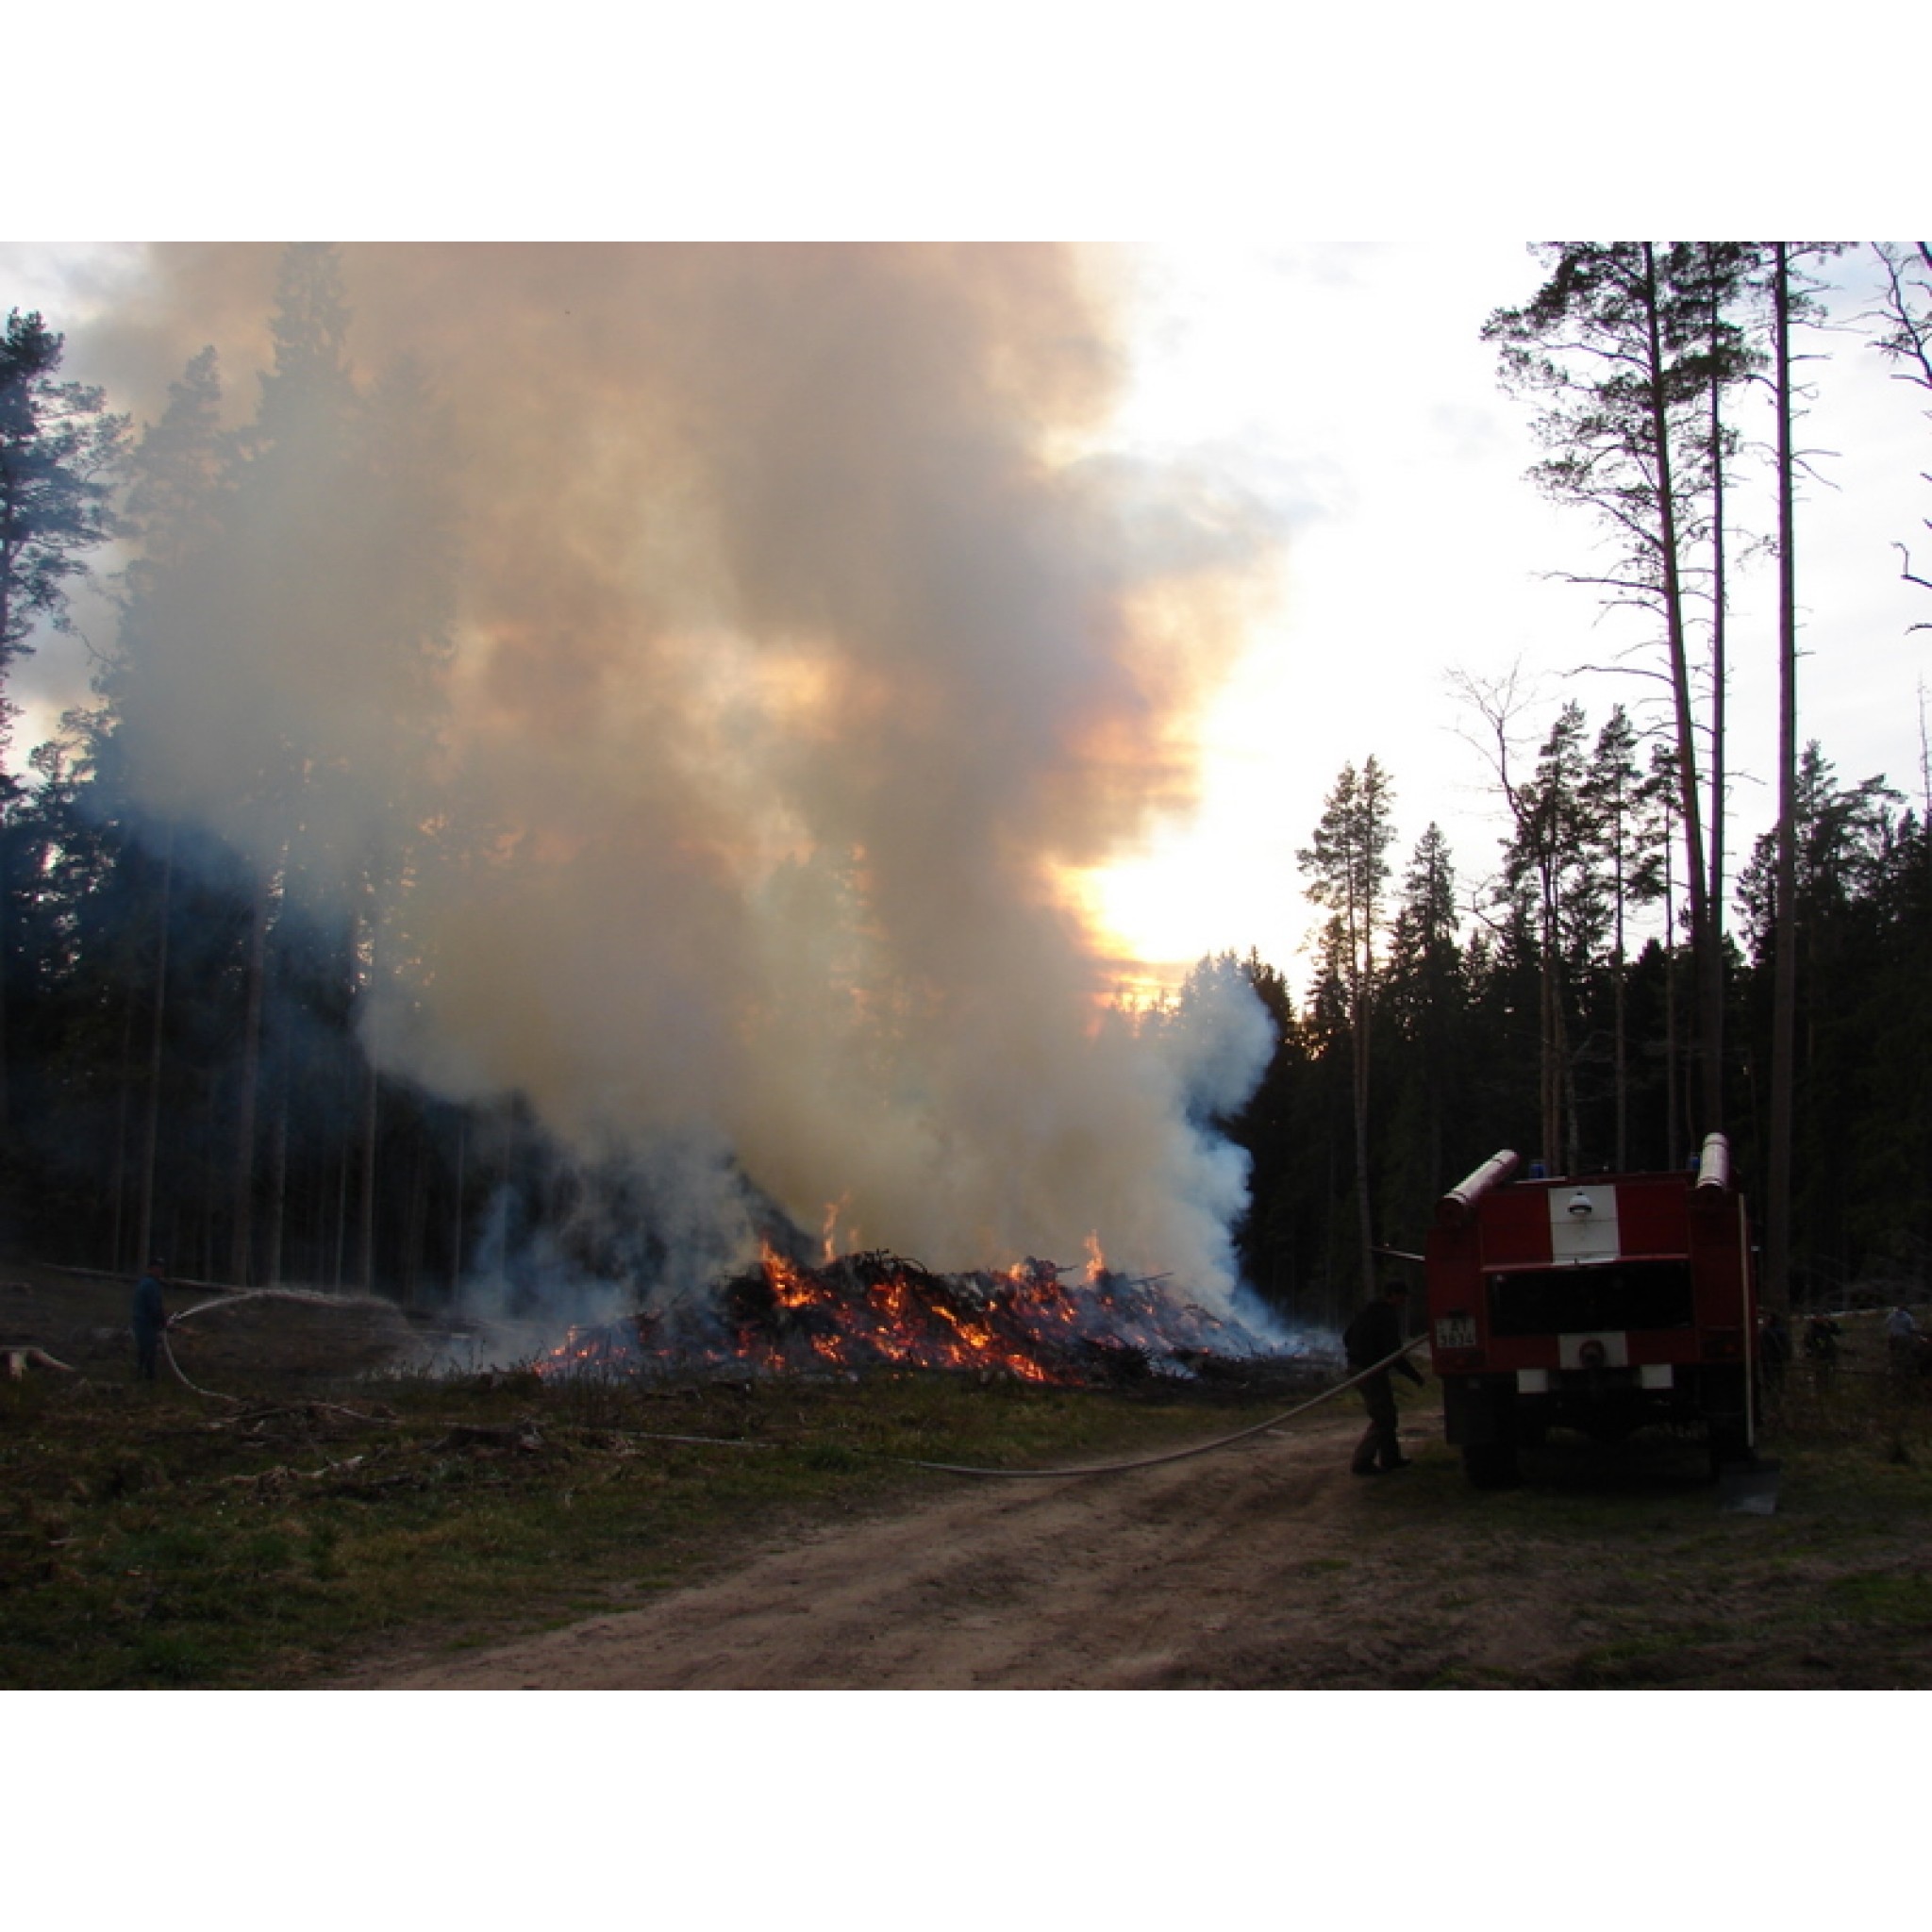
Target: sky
x,y
1341,391
1349,384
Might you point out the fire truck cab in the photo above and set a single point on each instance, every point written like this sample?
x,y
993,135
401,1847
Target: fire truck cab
x,y
1607,1304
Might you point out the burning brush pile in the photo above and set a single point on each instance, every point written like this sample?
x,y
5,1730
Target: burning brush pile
x,y
1038,1322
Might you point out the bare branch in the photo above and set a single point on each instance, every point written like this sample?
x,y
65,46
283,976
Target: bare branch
x,y
1909,336
1662,677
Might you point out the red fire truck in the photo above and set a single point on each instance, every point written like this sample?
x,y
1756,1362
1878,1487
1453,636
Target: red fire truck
x,y
1604,1304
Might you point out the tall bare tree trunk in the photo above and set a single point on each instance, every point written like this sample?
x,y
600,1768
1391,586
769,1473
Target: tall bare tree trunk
x,y
418,1220
241,1252
342,1220
343,1163
1365,1211
1719,675
1619,1029
151,1140
1550,1083
1705,940
117,1257
6,793
1673,1143
367,1238
278,1181
1777,1236
371,1119
456,1232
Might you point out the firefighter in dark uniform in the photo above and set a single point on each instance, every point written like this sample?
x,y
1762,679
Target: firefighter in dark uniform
x,y
1821,1346
150,1316
1374,1334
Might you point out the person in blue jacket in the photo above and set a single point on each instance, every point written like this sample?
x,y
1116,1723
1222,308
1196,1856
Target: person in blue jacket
x,y
150,1316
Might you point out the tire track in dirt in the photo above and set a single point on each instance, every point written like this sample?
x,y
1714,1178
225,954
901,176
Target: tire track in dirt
x,y
1175,1575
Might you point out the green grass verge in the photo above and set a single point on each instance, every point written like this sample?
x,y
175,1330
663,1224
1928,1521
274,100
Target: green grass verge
x,y
1640,1579
150,1539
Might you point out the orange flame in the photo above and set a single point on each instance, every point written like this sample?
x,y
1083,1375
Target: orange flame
x,y
1035,1320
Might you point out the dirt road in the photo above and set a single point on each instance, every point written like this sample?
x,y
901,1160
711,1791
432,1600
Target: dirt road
x,y
1263,1564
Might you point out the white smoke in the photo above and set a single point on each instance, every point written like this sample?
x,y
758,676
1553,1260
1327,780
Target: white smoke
x,y
805,640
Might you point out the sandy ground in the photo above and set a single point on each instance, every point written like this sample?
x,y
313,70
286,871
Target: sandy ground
x,y
1261,1563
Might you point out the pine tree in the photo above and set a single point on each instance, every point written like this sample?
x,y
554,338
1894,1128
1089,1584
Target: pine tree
x,y
278,684
1425,1001
1615,796
1617,343
1347,865
1791,299
59,448
1549,859
1904,338
1847,845
176,473
1548,904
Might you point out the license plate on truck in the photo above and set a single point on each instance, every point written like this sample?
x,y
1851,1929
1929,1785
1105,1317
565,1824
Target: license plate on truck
x,y
1456,1331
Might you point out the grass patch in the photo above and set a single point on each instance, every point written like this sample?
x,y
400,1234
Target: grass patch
x,y
1473,1678
1634,1663
1890,1596
1642,1581
148,1538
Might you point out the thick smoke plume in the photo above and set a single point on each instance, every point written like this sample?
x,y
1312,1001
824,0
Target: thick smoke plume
x,y
803,639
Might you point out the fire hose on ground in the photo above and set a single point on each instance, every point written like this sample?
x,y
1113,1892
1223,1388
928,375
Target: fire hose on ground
x,y
280,1295
1361,1375
1261,1428
339,1302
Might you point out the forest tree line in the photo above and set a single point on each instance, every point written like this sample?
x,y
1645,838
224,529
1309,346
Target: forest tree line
x,y
180,1064
1546,1026
1526,1013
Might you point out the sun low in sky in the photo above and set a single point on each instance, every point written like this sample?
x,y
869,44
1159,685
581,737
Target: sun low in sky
x,y
1348,388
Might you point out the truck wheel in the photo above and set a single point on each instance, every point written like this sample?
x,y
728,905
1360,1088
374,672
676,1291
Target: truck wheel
x,y
1490,1465
1728,1436
1729,1447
